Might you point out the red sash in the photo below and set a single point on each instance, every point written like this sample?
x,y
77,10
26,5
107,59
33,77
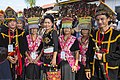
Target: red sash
x,y
65,46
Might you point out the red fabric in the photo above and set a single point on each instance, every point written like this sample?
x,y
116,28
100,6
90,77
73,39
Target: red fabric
x,y
19,66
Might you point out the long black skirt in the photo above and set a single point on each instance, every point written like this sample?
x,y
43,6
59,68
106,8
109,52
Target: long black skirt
x,y
66,71
33,72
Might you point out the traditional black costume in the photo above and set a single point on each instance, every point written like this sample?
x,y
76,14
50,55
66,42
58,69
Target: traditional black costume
x,y
109,45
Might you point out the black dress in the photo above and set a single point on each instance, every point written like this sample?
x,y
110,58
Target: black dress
x,y
50,39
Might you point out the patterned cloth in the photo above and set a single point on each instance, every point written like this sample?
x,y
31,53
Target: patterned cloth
x,y
83,48
33,46
66,45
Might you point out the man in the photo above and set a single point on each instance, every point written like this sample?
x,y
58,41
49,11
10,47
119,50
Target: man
x,y
2,21
15,41
104,48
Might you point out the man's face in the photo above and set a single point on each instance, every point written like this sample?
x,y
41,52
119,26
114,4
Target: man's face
x,y
102,21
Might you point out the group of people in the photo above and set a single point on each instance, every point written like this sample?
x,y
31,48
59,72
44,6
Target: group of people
x,y
31,55
79,8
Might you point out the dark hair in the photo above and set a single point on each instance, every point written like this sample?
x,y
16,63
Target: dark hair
x,y
49,17
3,53
85,29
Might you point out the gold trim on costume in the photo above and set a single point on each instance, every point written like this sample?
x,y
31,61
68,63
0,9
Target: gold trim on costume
x,y
115,39
106,42
93,67
104,59
108,47
116,67
91,62
4,35
91,35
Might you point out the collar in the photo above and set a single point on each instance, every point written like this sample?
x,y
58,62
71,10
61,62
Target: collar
x,y
107,31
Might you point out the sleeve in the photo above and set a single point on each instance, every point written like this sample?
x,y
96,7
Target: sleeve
x,y
40,47
89,54
59,48
23,44
3,41
75,46
55,40
114,55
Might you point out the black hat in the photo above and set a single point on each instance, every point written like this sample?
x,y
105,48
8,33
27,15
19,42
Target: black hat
x,y
104,9
10,14
49,17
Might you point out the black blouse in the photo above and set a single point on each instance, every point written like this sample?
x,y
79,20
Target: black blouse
x,y
50,39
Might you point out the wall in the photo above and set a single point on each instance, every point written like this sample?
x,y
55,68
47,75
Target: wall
x,y
112,3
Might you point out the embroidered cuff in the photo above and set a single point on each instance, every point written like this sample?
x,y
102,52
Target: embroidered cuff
x,y
87,70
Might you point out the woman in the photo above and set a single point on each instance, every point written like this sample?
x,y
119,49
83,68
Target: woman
x,y
83,41
49,44
32,60
83,45
20,23
69,51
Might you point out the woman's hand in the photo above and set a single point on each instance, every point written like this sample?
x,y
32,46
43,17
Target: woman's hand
x,y
36,60
30,60
53,62
74,69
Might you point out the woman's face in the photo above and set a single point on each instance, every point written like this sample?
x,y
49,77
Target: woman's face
x,y
34,31
85,32
67,31
47,23
12,24
20,25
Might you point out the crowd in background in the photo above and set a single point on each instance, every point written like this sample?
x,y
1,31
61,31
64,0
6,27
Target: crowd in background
x,y
79,9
